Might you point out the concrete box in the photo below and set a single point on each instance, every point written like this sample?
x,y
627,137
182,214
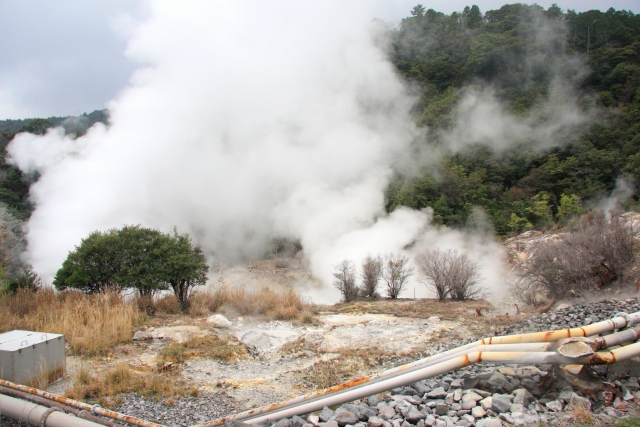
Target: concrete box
x,y
31,358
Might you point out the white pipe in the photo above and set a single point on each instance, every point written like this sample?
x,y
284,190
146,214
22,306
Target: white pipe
x,y
536,341
38,415
444,367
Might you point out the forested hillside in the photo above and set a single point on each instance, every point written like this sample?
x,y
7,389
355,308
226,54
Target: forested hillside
x,y
537,65
531,59
14,185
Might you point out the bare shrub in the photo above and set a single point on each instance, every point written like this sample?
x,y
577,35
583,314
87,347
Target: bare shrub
x,y
450,273
395,274
595,254
371,274
345,280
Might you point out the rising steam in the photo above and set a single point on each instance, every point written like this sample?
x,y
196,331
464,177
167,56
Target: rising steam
x,y
243,123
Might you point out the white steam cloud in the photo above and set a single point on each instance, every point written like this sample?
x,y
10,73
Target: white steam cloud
x,y
247,122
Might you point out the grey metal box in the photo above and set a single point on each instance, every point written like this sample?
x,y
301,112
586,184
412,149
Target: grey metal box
x,y
31,358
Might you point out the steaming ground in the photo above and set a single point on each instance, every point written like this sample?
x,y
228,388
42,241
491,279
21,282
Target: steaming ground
x,y
253,121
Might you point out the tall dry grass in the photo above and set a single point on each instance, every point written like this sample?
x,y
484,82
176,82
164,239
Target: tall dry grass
x,y
92,324
280,304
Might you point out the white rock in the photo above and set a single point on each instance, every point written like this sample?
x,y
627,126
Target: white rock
x,y
219,321
478,412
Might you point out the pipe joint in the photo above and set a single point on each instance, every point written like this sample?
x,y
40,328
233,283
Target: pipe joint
x,y
45,415
626,317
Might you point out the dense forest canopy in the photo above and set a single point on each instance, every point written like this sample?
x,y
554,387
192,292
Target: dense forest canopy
x,y
531,59
561,89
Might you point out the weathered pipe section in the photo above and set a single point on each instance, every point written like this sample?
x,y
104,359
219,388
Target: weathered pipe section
x,y
51,404
554,347
37,415
93,409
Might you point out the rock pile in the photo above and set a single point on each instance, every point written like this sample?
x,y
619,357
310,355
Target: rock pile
x,y
573,316
489,395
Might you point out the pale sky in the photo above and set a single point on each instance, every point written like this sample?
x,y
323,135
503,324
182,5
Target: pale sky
x,y
67,57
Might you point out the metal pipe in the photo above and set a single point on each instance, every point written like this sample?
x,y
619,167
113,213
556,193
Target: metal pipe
x,y
38,415
600,358
538,341
51,404
94,409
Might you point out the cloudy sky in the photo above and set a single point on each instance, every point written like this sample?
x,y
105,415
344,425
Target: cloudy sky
x,y
66,57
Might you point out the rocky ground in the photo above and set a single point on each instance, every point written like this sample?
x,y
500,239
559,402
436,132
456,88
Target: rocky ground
x,y
285,358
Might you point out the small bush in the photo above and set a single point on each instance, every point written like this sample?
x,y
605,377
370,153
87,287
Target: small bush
x,y
345,280
395,273
594,254
450,273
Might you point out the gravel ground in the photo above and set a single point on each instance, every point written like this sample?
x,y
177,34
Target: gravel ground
x,y
481,395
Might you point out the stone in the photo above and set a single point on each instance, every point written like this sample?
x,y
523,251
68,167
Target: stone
x,y
313,419
576,400
437,393
489,422
373,400
478,412
457,383
468,404
471,396
449,399
442,408
516,407
420,387
627,395
285,422
219,321
486,402
554,405
346,417
429,421
376,422
326,414
387,412
499,383
413,415
297,421
141,335
522,396
500,403
331,423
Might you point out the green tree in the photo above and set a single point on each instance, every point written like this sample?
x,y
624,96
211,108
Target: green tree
x,y
185,267
134,257
517,223
569,206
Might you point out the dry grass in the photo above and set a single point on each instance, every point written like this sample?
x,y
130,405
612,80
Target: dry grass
x,y
332,372
203,303
283,304
92,324
210,346
123,379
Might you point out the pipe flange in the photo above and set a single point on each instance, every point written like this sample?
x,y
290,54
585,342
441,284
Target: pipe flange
x,y
43,418
93,409
626,317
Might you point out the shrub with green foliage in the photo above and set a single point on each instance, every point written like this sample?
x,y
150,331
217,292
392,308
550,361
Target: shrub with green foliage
x,y
134,257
